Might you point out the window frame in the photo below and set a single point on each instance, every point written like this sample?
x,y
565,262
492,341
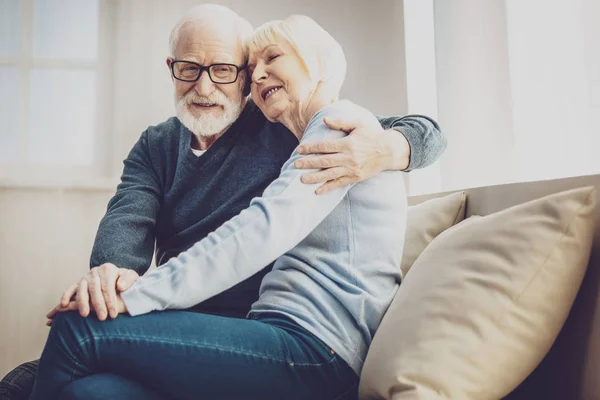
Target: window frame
x,y
21,172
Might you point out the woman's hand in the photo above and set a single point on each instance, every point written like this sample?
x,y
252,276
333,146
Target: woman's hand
x,y
365,152
72,306
105,284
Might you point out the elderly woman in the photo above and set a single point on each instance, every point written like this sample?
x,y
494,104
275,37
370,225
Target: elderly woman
x,y
337,268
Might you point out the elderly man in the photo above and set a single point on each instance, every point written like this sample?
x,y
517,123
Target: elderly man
x,y
188,175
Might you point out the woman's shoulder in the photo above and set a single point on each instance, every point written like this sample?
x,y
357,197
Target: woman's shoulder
x,y
316,128
344,108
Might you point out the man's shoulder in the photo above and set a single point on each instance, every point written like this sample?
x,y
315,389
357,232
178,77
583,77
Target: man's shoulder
x,y
161,142
168,130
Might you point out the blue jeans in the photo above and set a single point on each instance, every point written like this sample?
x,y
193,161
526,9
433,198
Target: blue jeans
x,y
185,355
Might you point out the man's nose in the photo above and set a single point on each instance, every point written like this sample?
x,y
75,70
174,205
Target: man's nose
x,y
204,86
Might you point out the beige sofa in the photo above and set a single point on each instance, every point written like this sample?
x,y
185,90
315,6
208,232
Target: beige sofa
x,y
571,369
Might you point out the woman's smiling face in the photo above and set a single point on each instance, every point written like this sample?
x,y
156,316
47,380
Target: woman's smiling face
x,y
280,82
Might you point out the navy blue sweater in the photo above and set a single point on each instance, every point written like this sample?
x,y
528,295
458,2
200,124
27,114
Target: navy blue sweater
x,y
171,198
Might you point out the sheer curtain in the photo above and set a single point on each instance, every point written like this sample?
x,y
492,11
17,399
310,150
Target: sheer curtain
x,y
517,89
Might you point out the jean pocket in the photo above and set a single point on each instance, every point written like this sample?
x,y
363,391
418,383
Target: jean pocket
x,y
326,352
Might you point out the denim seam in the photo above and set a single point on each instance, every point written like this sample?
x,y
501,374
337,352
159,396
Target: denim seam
x,y
9,385
323,364
319,343
328,350
240,352
282,343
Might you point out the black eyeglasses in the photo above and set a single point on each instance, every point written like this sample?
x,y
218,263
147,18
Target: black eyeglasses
x,y
189,71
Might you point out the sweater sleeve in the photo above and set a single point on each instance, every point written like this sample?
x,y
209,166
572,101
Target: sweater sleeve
x,y
273,224
126,234
426,140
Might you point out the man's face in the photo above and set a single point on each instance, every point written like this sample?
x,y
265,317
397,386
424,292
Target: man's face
x,y
204,107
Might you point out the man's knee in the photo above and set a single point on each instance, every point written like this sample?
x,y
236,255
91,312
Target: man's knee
x,y
67,318
79,390
107,386
70,324
18,383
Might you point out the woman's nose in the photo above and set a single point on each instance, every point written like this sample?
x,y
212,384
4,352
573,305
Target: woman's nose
x,y
259,74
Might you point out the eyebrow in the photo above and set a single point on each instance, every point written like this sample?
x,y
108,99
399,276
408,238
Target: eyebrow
x,y
249,64
268,47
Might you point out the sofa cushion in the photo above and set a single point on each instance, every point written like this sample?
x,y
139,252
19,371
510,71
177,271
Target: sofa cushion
x,y
483,303
425,221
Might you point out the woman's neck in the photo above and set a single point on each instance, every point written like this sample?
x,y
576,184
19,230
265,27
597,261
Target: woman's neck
x,y
297,117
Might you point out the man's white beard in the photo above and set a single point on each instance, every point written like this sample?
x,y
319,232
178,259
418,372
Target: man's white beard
x,y
207,125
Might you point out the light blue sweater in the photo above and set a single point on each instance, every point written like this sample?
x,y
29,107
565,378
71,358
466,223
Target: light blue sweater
x,y
338,255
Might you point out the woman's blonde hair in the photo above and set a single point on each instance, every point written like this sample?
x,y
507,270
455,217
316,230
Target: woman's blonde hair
x,y
318,52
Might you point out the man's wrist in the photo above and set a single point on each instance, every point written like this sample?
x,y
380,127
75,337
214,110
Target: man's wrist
x,y
398,150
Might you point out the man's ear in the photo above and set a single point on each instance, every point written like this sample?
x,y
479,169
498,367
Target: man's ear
x,y
169,61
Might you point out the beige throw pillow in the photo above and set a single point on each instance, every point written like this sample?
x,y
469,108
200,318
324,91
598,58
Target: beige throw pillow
x,y
426,221
484,303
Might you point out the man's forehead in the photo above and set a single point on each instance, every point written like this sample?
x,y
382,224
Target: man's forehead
x,y
209,41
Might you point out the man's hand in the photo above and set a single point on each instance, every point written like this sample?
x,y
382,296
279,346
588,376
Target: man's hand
x,y
97,291
365,152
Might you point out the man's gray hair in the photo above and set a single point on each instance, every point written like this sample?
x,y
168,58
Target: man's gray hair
x,y
216,15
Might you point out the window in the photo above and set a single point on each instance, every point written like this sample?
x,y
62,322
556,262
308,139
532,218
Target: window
x,y
516,100
53,79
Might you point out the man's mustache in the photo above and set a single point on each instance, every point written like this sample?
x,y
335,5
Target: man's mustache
x,y
192,98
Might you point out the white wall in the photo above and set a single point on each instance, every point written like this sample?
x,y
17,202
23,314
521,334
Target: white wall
x,y
369,31
46,237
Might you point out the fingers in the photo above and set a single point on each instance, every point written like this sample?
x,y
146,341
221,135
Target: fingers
x,y
324,175
331,185
52,312
71,306
337,125
322,147
126,279
83,298
121,307
322,161
68,295
96,295
108,275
